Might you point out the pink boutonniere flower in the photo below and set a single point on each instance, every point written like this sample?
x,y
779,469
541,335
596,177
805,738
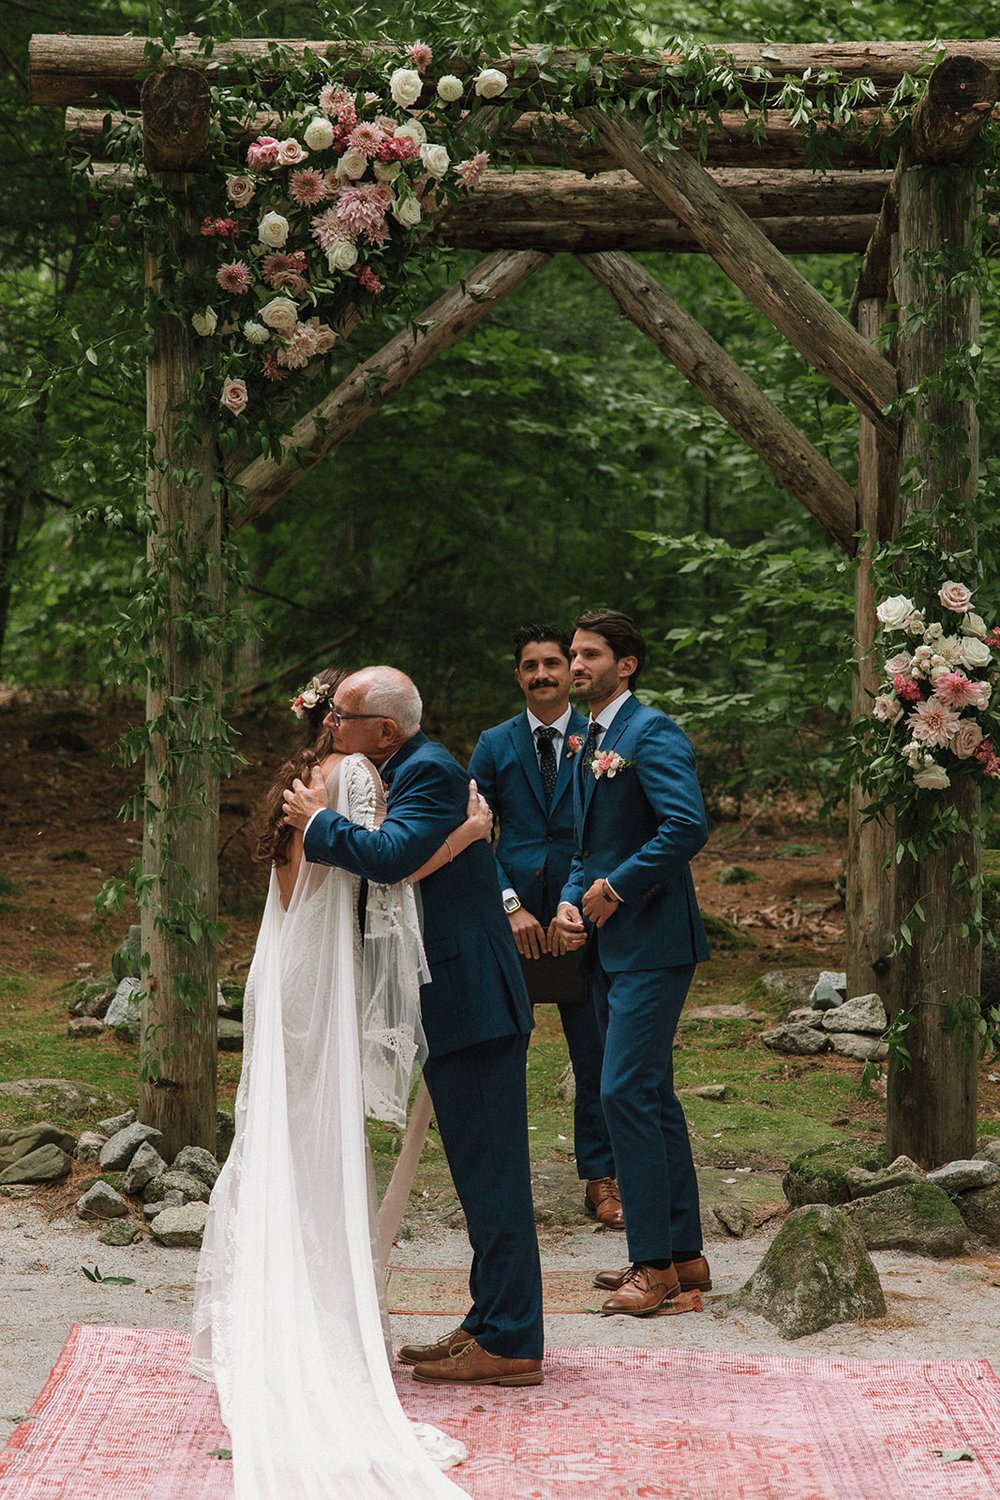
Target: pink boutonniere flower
x,y
608,763
573,745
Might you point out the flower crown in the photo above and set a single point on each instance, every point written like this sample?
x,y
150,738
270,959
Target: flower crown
x,y
314,692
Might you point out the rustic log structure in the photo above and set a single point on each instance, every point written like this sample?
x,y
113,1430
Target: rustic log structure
x,y
600,194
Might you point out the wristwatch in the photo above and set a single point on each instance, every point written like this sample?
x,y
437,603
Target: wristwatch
x,y
511,904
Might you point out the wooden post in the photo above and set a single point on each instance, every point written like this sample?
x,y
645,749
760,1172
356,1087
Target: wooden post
x,y
932,1102
183,700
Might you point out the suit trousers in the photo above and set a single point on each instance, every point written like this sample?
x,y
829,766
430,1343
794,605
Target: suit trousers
x,y
481,1107
638,1013
591,1143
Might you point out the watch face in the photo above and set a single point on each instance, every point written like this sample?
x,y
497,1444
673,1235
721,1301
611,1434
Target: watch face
x,y
511,904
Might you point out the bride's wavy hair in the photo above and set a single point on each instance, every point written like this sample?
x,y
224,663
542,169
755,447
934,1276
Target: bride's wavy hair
x,y
272,845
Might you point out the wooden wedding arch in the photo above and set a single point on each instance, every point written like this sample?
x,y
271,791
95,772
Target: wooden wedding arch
x,y
750,202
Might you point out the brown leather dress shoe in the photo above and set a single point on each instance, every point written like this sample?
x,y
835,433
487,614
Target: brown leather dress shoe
x,y
474,1366
644,1290
603,1200
693,1275
452,1343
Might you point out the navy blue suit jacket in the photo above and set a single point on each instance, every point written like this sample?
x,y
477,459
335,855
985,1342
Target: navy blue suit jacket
x,y
640,829
476,992
535,843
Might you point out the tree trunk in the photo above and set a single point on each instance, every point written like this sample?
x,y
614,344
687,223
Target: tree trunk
x,y
180,843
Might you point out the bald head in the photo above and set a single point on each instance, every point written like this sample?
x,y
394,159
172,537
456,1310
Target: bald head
x,y
389,692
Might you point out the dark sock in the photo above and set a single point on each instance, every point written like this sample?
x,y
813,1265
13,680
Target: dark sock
x,y
683,1255
657,1265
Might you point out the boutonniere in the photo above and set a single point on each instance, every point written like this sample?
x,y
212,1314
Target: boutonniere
x,y
608,763
574,745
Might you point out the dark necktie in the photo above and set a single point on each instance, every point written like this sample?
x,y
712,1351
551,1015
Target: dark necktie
x,y
590,743
547,760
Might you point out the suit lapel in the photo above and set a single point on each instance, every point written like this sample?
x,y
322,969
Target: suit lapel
x,y
524,749
564,777
619,724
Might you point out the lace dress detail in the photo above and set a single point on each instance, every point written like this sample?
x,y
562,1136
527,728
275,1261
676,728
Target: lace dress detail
x,y
287,1317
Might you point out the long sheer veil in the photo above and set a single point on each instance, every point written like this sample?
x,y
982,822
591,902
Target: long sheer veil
x,y
287,1318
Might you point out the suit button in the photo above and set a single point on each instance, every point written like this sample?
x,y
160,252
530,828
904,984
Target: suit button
x,y
549,838
537,873
586,853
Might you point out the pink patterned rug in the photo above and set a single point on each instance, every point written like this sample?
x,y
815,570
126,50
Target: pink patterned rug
x,y
121,1419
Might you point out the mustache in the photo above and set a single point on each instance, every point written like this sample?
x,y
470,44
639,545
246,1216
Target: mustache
x,y
543,682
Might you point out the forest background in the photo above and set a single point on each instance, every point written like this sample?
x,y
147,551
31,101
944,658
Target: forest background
x,y
550,461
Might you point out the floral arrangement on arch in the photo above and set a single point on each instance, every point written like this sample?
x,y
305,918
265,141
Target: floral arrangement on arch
x,y
939,682
323,216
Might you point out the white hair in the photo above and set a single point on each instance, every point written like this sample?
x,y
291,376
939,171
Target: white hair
x,y
389,692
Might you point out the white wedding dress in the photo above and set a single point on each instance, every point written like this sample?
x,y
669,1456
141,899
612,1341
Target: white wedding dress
x,y
288,1318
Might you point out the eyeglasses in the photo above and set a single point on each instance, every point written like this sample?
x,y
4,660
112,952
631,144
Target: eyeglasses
x,y
339,718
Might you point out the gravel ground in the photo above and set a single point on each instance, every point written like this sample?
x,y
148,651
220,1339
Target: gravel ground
x,y
936,1309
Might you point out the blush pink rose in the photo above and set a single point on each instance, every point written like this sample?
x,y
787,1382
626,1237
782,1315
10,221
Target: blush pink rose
x,y
967,739
235,397
955,596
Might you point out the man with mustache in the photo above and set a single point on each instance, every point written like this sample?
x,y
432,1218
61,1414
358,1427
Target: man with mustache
x,y
523,768
630,899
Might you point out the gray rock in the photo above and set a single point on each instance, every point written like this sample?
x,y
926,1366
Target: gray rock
x,y
716,1091
230,1036
117,1152
127,1003
980,1210
820,1174
71,1097
961,1176
88,1147
128,1031
81,1028
863,1183
91,997
918,1217
197,1161
862,1047
817,1272
118,1232
864,1013
172,1200
125,959
796,1041
111,1127
829,990
804,1015
734,1218
146,1164
989,1149
27,1138
45,1164
101,1202
191,1188
794,984
180,1226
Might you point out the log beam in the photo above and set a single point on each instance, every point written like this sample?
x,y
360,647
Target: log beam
x,y
795,463
371,384
820,333
176,105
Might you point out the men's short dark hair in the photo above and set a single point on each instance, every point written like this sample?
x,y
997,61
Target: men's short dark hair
x,y
534,634
621,633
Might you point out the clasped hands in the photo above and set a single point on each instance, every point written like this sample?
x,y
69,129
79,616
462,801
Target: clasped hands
x,y
567,930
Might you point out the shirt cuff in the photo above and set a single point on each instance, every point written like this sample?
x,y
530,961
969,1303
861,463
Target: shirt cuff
x,y
510,891
310,823
613,892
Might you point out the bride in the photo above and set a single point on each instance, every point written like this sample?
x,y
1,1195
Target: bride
x,y
289,1321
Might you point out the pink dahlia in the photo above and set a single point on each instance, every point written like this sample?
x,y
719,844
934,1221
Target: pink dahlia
x,y
933,723
904,687
470,173
420,56
366,138
307,187
399,148
362,206
298,347
271,368
370,281
955,689
329,229
234,277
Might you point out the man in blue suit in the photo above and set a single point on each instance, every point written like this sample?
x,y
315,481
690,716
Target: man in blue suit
x,y
523,768
630,898
476,1015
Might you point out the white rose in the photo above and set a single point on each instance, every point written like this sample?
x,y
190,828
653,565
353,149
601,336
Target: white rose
x,y
932,777
255,333
450,88
973,624
975,653
955,596
887,708
318,134
914,755
280,313
405,86
490,83
342,256
901,662
893,613
352,164
408,213
387,171
985,694
413,129
435,160
205,323
934,632
273,230
914,625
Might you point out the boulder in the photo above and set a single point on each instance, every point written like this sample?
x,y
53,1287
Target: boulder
x,y
45,1164
88,1147
961,1176
804,1015
794,984
125,959
917,1217
864,1013
714,1091
127,1003
197,1161
101,1201
230,1036
183,1225
797,1040
820,1175
81,1028
111,1126
117,1153
172,1200
817,1272
146,1164
863,1047
980,1210
734,1218
898,1173
91,997
65,1094
27,1138
118,1232
191,1188
829,990
989,1149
